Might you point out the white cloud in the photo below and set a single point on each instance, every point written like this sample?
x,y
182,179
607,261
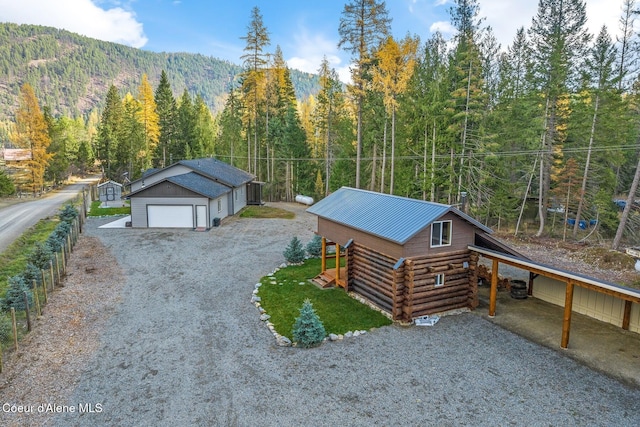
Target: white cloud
x,y
444,27
78,16
507,16
309,50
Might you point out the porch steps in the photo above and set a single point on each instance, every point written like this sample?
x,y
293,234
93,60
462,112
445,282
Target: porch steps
x,y
324,280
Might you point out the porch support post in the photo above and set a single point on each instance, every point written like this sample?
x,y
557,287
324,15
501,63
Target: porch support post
x,y
566,321
337,263
627,315
324,255
493,294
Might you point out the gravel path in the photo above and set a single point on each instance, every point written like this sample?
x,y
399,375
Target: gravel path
x,y
185,347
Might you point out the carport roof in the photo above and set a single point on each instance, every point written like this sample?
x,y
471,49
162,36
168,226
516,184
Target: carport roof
x,y
391,217
194,182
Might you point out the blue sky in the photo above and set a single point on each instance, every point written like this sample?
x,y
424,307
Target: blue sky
x,y
305,30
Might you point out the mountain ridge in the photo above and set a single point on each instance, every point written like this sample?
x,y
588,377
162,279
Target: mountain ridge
x,y
71,73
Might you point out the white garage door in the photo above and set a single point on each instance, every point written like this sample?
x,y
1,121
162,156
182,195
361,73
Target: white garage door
x,y
179,216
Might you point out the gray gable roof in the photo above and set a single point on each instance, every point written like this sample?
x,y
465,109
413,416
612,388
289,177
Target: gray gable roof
x,y
390,217
219,170
193,182
199,184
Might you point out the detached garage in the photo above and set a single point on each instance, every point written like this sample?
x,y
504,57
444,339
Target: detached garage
x,y
182,201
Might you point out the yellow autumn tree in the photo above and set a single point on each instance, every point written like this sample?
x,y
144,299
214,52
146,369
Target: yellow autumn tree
x,y
31,133
148,117
396,62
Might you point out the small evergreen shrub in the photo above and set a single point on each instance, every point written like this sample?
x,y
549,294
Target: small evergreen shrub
x,y
56,240
14,297
314,247
294,253
31,273
308,330
41,255
68,213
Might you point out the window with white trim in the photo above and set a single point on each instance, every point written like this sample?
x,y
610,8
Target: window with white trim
x,y
439,279
219,205
440,233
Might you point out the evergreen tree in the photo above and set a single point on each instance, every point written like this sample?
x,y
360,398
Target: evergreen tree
x,y
167,112
185,139
363,25
308,330
254,61
108,137
230,132
294,253
14,296
559,37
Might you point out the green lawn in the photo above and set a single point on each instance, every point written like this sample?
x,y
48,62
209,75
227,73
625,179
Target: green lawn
x,y
265,212
282,296
96,210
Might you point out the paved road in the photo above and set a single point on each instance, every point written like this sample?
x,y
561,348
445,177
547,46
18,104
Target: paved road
x,y
16,218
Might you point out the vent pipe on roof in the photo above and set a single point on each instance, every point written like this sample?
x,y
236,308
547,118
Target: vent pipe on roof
x,y
463,201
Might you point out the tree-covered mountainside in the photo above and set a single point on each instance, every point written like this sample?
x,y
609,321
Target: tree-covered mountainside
x,y
71,73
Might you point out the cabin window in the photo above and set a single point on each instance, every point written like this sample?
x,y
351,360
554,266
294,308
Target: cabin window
x,y
441,233
439,279
219,205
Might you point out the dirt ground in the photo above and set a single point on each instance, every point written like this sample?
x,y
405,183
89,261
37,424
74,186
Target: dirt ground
x,y
589,259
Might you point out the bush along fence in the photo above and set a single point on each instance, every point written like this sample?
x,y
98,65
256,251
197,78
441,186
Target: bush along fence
x,y
27,293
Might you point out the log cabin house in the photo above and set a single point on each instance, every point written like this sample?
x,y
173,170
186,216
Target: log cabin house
x,y
409,257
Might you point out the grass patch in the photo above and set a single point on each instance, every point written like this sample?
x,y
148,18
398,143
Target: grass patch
x,y
338,311
14,259
266,212
96,210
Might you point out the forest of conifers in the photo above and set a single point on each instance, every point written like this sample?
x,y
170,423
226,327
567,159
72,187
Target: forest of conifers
x,y
543,130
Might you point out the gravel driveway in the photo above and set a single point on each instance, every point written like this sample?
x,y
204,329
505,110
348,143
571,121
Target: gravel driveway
x,y
185,347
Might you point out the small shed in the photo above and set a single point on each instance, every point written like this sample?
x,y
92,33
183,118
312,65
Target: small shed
x,y
407,256
109,191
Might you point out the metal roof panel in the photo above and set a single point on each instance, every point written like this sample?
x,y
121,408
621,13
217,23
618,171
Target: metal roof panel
x,y
391,217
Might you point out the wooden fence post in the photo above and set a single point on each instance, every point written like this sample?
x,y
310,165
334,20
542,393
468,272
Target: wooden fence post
x,y
44,287
53,284
37,298
26,310
58,265
15,328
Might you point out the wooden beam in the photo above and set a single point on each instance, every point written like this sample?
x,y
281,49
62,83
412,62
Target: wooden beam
x,y
337,263
494,288
324,255
566,321
626,318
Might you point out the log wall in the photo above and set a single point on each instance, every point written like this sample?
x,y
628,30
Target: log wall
x,y
372,275
459,290
407,289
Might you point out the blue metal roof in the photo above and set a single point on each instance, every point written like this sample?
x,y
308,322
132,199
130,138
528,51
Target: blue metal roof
x,y
219,170
200,184
194,182
390,217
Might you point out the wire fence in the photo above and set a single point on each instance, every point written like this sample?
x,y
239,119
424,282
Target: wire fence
x,y
42,290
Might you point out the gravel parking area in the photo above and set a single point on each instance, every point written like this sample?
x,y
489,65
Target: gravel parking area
x,y
183,346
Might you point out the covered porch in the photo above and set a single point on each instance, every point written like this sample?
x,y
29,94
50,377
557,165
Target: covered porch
x,y
332,276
